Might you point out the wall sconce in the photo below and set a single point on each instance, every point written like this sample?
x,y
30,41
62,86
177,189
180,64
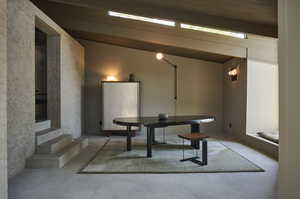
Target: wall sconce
x,y
233,73
111,78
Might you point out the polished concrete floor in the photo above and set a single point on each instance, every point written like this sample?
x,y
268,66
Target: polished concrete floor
x,y
66,184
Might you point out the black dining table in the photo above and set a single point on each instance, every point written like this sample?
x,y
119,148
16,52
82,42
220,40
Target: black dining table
x,y
151,123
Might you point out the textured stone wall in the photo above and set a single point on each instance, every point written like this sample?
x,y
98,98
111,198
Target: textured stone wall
x,y
65,82
22,18
20,88
53,80
72,80
3,120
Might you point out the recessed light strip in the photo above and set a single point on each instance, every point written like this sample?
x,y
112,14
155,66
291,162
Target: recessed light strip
x,y
140,18
215,31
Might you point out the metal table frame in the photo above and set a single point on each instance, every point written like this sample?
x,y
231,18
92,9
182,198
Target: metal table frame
x,y
194,126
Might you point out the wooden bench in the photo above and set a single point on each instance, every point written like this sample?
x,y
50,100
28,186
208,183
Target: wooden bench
x,y
195,137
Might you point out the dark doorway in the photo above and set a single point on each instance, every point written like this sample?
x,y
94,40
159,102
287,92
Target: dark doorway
x,y
40,75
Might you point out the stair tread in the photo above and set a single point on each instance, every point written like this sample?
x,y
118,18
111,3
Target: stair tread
x,y
43,132
60,158
68,147
59,153
55,140
42,125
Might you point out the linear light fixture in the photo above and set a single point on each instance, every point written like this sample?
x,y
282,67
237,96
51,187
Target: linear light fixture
x,y
212,30
140,18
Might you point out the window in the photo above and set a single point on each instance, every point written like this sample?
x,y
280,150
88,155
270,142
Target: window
x,y
262,100
140,18
215,31
40,75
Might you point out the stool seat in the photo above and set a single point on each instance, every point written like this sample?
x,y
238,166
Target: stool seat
x,y
193,136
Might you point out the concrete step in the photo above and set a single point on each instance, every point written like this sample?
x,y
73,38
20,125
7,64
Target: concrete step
x,y
59,159
43,125
54,145
46,135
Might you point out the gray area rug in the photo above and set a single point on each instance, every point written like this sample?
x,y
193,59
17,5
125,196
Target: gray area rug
x,y
113,158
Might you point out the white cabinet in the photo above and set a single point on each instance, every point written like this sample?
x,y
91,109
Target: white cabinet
x,y
119,99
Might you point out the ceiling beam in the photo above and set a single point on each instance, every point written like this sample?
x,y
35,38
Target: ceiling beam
x,y
148,46
74,22
179,15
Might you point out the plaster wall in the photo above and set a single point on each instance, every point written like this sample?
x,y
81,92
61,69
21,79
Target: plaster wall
x,y
235,109
235,97
199,84
23,16
289,97
3,100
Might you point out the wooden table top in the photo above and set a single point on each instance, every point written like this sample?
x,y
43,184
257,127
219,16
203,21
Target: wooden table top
x,y
155,122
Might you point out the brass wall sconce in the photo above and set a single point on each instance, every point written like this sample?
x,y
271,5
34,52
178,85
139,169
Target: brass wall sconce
x,y
233,73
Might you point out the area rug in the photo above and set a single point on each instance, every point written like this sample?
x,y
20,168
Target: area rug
x,y
113,158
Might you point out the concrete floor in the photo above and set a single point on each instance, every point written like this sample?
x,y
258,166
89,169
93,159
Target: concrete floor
x,y
66,184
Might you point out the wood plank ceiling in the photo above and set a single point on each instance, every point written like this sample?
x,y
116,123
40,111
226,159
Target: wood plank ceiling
x,y
248,16
136,44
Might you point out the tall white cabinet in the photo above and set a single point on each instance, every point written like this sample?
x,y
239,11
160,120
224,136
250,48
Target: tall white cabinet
x,y
119,99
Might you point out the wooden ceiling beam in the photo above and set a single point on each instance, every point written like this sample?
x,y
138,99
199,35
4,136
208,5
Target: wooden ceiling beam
x,y
148,46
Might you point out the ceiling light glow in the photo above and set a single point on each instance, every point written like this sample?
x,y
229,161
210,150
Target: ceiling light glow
x,y
140,18
215,31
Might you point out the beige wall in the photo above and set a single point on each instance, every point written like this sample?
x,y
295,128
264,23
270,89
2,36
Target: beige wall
x,y
3,120
22,16
199,83
289,98
235,96
262,97
235,108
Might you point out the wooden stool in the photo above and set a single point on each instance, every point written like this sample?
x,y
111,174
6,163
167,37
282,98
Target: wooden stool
x,y
195,137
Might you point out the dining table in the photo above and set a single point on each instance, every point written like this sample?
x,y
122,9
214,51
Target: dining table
x,y
151,123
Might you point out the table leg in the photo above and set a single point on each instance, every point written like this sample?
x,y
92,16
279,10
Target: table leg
x,y
153,137
149,142
204,152
195,128
128,128
154,142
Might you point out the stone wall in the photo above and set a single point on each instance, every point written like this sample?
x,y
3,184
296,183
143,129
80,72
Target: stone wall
x,y
23,16
3,120
72,80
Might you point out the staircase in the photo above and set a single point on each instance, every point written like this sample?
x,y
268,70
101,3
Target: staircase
x,y
54,149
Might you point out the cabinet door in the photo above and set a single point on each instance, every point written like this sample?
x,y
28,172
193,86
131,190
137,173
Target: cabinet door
x,y
120,99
